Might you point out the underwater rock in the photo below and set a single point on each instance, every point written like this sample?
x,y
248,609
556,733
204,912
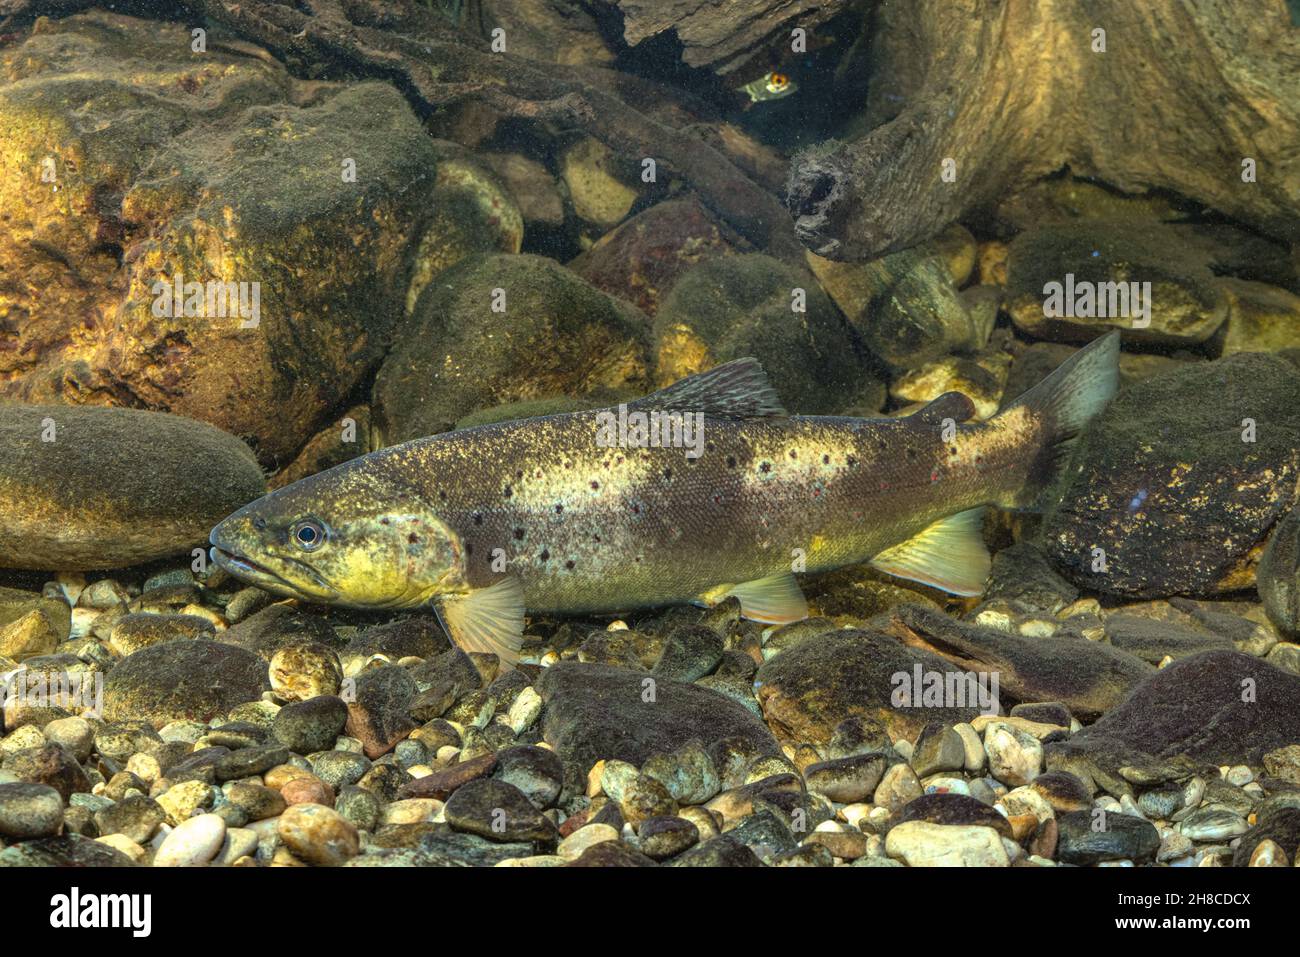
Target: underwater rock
x,y
183,680
498,811
1261,318
213,169
595,712
1278,575
336,443
1124,837
70,850
472,211
1185,304
531,186
1088,677
1178,481
1153,640
905,306
1021,574
556,336
1222,707
597,182
135,631
980,378
808,689
1277,821
642,259
742,305
89,487
279,626
1065,200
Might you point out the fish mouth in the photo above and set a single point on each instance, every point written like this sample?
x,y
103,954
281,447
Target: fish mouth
x,y
245,569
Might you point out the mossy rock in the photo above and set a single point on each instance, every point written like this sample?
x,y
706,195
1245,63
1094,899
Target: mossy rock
x,y
1180,479
738,306
113,487
128,162
557,336
183,681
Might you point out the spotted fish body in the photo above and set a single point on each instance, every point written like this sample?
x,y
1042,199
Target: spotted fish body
x,y
580,527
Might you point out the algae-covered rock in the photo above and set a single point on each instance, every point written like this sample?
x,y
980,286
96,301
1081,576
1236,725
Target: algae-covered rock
x,y
1278,575
746,306
1175,485
338,442
129,164
1261,318
905,306
642,259
471,210
90,487
595,712
183,681
1104,259
810,688
500,328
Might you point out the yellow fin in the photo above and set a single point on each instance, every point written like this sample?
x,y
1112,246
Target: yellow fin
x,y
949,555
489,620
774,600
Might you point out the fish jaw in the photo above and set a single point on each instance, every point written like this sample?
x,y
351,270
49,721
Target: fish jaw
x,y
281,576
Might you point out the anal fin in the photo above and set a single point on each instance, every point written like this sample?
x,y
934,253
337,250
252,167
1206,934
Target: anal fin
x,y
488,620
774,600
949,555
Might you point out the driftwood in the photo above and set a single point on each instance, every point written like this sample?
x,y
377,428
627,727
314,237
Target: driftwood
x,y
721,36
438,66
1011,90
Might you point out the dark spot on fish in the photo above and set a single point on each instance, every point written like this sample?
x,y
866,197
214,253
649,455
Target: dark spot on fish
x,y
953,450
519,475
469,549
826,460
595,485
569,564
413,538
882,445
382,521
442,495
765,467
544,555
794,454
597,538
519,534
636,509
851,461
731,461
709,446
260,523
559,509
478,519
668,474
507,491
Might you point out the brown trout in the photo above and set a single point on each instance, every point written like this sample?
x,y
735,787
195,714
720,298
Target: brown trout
x,y
702,490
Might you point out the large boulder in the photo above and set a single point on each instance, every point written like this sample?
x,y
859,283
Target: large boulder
x,y
130,163
553,334
1179,480
90,487
194,680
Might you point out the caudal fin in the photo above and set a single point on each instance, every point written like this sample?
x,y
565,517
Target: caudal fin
x,y
1065,402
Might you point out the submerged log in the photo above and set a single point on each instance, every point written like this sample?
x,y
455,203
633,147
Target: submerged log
x,y
1169,95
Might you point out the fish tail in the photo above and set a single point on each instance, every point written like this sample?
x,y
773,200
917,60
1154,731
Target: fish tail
x,y
1060,407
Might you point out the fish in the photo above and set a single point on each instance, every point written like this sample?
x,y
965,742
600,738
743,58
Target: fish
x,y
568,514
769,86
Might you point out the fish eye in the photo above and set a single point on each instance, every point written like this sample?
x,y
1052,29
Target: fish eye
x,y
308,534
778,81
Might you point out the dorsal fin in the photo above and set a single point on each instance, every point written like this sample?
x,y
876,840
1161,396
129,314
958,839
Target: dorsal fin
x,y
734,390
951,405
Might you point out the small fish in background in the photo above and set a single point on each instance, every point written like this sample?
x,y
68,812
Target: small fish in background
x,y
769,86
546,515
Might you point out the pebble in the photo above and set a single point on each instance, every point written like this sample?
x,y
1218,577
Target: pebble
x,y
318,834
573,846
29,810
846,780
1213,824
1268,853
973,746
192,843
1015,757
897,787
1085,838
922,844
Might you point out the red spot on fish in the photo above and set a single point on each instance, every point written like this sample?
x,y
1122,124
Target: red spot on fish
x,y
934,476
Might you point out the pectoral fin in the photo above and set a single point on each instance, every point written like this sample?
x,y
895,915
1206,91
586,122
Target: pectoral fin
x,y
488,620
949,555
774,600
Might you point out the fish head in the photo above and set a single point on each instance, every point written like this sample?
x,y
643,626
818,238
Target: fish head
x,y
348,536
